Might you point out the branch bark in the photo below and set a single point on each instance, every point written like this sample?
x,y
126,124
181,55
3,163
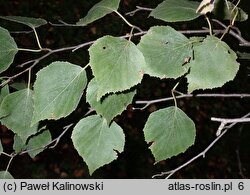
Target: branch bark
x,y
213,95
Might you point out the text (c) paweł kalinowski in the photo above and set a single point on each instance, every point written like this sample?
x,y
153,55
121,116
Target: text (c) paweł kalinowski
x,y
64,186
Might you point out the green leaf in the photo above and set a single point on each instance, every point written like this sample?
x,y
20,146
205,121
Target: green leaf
x,y
98,11
112,105
8,49
214,64
58,90
196,40
171,132
37,143
117,65
4,92
16,112
5,175
227,11
31,22
96,142
19,86
176,10
19,144
165,51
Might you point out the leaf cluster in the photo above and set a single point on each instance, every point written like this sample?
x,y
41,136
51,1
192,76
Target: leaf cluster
x,y
118,66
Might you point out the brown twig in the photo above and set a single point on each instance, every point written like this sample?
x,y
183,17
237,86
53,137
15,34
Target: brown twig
x,y
237,35
225,121
213,95
139,8
49,145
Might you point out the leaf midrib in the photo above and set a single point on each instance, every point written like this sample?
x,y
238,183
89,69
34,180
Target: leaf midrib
x,y
61,92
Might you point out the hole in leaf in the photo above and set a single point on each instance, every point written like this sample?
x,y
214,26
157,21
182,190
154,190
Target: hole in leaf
x,y
151,143
117,152
103,47
186,60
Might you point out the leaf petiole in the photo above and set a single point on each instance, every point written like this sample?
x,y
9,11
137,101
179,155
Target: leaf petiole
x,y
37,38
29,50
127,22
172,92
209,25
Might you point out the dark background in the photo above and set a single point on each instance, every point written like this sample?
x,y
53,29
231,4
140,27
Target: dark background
x,y
229,158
